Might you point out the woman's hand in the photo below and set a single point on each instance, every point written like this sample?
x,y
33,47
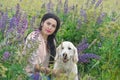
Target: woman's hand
x,y
37,68
47,71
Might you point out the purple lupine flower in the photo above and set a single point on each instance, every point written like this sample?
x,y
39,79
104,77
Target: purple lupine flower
x,y
93,2
79,23
17,9
103,14
32,21
83,14
18,18
72,8
85,58
6,55
50,6
36,76
12,23
23,26
82,46
100,18
98,3
3,21
59,6
66,7
17,15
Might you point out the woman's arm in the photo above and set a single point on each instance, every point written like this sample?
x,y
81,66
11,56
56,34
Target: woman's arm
x,y
29,51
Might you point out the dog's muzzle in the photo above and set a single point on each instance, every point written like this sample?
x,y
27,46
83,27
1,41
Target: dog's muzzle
x,y
65,58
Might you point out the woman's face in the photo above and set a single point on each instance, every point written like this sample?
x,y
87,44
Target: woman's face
x,y
49,26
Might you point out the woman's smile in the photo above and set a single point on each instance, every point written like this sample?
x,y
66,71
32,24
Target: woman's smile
x,y
48,31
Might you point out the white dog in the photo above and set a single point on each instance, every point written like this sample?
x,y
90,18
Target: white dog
x,y
66,59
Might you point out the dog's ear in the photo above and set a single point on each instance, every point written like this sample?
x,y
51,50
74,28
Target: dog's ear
x,y
75,57
58,49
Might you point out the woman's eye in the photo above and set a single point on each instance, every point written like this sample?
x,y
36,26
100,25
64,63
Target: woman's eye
x,y
53,26
48,23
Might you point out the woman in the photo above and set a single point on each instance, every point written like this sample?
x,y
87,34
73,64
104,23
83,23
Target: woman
x,y
40,44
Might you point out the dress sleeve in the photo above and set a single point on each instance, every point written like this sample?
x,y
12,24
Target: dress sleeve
x,y
30,43
30,50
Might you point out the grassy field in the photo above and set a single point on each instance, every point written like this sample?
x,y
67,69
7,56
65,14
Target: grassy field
x,y
95,31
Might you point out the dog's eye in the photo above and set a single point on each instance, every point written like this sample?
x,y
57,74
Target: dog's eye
x,y
62,47
69,48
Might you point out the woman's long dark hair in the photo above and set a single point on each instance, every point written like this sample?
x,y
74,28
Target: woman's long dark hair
x,y
51,38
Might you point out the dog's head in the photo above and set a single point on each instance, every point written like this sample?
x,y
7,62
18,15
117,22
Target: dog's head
x,y
66,51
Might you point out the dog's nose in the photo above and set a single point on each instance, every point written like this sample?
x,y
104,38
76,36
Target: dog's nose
x,y
65,55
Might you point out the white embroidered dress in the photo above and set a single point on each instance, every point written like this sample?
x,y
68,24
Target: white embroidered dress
x,y
38,54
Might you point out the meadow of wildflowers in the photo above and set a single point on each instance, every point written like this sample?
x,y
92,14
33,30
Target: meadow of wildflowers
x,y
93,26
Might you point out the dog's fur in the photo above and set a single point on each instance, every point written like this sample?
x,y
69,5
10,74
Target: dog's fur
x,y
66,59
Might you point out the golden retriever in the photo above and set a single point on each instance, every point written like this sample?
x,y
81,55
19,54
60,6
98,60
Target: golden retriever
x,y
66,59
